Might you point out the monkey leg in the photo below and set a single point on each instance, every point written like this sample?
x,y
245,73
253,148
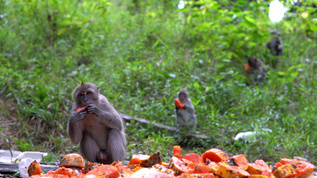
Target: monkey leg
x,y
89,148
115,145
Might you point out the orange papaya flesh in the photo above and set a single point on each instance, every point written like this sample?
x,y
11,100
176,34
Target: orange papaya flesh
x,y
213,166
178,166
195,168
178,104
257,167
177,151
302,168
34,168
227,171
105,171
81,108
136,159
239,160
215,155
193,157
285,171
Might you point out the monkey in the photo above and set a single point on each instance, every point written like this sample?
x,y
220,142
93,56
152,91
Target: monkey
x,y
256,68
275,46
185,111
97,126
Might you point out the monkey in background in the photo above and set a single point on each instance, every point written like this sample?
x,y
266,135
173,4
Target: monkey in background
x,y
256,68
275,46
96,125
185,111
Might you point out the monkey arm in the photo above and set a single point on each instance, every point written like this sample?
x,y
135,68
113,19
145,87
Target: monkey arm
x,y
189,107
74,128
111,119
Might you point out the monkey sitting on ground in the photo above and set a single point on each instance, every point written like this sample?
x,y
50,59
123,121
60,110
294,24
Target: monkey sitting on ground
x,y
96,125
275,46
185,111
256,68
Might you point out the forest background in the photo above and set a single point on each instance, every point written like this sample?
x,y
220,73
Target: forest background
x,y
140,53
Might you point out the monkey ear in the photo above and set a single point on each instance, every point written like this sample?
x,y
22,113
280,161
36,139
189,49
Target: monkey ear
x,y
82,82
97,88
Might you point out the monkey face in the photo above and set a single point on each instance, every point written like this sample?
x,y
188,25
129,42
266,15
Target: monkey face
x,y
85,97
254,62
85,94
182,96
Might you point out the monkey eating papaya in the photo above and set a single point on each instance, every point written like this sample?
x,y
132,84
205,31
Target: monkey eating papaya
x,y
256,68
96,125
185,111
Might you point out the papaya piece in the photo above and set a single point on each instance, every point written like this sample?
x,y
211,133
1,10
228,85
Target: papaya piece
x,y
136,169
124,170
227,171
278,164
177,151
81,108
257,167
203,175
65,171
215,155
268,173
213,166
302,168
193,157
197,168
34,168
258,176
151,173
178,104
284,171
239,160
165,164
90,166
105,171
246,67
152,160
178,166
136,159
72,160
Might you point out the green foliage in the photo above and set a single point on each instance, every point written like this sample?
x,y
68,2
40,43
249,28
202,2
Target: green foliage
x,y
140,53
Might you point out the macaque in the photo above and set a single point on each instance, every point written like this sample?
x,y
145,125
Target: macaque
x,y
185,111
256,68
275,45
96,125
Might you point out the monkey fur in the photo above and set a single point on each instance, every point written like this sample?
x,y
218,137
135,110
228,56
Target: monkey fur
x,y
257,68
97,127
275,47
185,116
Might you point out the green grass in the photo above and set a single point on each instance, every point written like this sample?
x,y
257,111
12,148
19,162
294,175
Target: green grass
x,y
140,54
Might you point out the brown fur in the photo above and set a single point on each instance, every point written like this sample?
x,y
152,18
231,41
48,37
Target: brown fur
x,y
186,117
98,128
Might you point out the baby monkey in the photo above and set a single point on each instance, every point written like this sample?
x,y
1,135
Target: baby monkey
x,y
185,111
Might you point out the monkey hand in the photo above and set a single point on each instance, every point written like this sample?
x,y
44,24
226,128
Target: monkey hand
x,y
184,106
92,109
177,107
79,115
